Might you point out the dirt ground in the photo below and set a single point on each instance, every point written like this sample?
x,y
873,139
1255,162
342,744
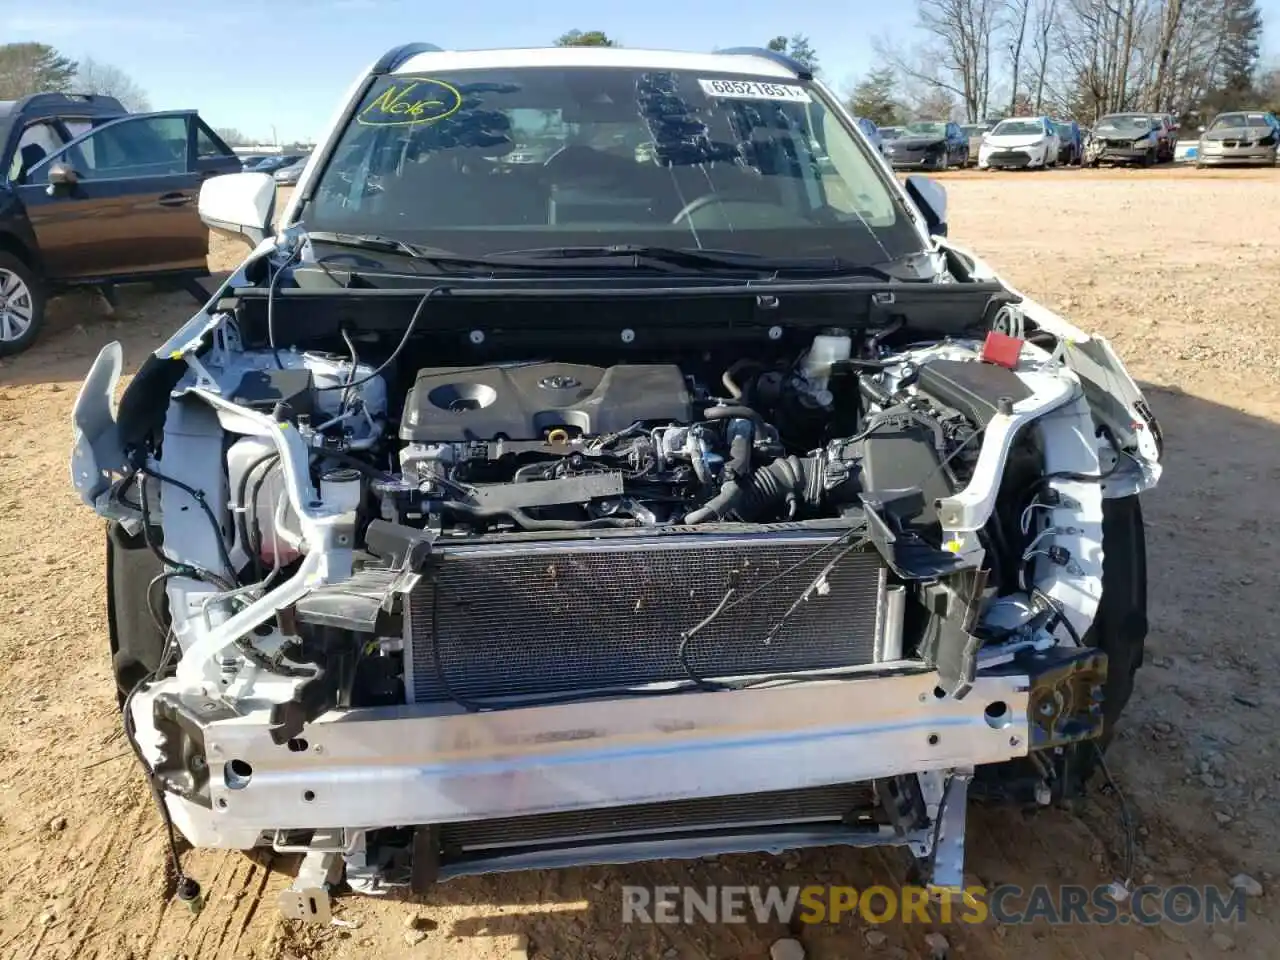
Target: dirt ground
x,y
1178,267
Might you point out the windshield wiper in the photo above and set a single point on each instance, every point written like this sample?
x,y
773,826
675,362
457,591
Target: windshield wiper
x,y
642,256
374,241
542,258
695,259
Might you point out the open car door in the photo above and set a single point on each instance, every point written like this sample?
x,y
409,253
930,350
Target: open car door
x,y
119,202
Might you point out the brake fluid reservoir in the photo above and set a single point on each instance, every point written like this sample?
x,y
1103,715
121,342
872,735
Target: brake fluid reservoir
x,y
829,347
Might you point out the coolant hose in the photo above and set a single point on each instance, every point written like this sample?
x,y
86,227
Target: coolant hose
x,y
526,522
734,411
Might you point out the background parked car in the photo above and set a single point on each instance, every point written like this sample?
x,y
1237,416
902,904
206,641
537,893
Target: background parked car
x,y
1020,143
932,144
274,163
1244,136
975,133
93,195
1128,138
889,133
288,174
249,161
1070,142
871,132
1166,137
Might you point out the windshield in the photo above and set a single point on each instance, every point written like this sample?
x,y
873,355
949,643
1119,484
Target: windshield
x,y
1064,129
484,162
1234,121
890,133
927,129
1018,128
1125,123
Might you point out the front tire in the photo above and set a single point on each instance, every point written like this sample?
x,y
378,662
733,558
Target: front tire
x,y
22,301
1120,627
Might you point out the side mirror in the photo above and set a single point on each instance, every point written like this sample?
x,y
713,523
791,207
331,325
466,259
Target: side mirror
x,y
931,199
62,177
1200,129
239,205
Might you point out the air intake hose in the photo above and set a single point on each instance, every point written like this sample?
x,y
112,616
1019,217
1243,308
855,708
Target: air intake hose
x,y
789,481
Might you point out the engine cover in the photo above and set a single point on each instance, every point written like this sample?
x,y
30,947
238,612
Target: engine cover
x,y
525,401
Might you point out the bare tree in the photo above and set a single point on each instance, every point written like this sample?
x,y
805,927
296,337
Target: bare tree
x,y
933,104
1170,20
956,54
1016,13
95,77
1046,19
1103,51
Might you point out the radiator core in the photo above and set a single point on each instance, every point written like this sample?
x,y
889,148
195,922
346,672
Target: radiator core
x,y
566,616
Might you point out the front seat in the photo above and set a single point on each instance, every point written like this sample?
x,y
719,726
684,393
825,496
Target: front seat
x,y
32,154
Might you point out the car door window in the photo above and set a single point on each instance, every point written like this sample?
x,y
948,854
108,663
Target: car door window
x,y
208,145
37,142
136,147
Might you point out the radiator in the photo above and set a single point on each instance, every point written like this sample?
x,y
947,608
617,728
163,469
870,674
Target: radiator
x,y
851,804
566,616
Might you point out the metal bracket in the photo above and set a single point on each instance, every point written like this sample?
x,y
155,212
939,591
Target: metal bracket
x,y
307,898
947,875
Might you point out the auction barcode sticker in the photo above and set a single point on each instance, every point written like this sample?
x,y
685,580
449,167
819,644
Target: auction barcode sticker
x,y
755,90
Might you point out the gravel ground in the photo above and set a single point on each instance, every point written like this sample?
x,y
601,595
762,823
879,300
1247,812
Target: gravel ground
x,y
1178,267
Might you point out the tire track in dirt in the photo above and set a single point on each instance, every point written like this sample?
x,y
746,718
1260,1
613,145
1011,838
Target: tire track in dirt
x,y
95,893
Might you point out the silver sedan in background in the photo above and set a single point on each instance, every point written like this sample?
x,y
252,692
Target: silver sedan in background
x,y
1242,136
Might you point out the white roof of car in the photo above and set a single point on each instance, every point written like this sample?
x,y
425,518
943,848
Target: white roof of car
x,y
624,57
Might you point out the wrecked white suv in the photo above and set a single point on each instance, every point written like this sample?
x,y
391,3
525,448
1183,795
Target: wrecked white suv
x,y
604,458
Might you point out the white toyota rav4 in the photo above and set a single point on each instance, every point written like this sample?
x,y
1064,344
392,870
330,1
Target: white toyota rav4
x,y
605,458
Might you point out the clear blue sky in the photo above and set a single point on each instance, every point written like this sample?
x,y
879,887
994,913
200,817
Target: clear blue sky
x,y
255,65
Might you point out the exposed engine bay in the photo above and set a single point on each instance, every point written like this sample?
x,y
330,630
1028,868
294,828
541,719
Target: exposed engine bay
x,y
488,558
542,446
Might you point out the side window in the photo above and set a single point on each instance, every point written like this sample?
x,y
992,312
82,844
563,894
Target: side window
x,y
37,142
77,128
208,144
142,147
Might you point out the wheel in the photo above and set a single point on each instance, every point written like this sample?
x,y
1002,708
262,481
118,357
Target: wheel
x,y
1120,626
21,305
1149,158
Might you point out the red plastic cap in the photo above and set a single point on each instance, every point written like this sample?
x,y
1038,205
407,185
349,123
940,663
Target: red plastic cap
x,y
1002,350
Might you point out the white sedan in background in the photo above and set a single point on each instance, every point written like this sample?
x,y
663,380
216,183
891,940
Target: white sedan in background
x,y
1020,142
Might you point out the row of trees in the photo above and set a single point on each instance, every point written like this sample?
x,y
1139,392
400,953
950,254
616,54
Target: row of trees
x,y
39,68
976,59
980,59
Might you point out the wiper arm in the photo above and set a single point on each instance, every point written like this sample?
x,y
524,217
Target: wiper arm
x,y
373,241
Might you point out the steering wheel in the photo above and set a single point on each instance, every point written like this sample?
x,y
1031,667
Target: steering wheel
x,y
739,210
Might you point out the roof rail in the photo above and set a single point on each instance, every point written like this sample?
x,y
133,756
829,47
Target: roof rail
x,y
46,99
792,64
396,56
